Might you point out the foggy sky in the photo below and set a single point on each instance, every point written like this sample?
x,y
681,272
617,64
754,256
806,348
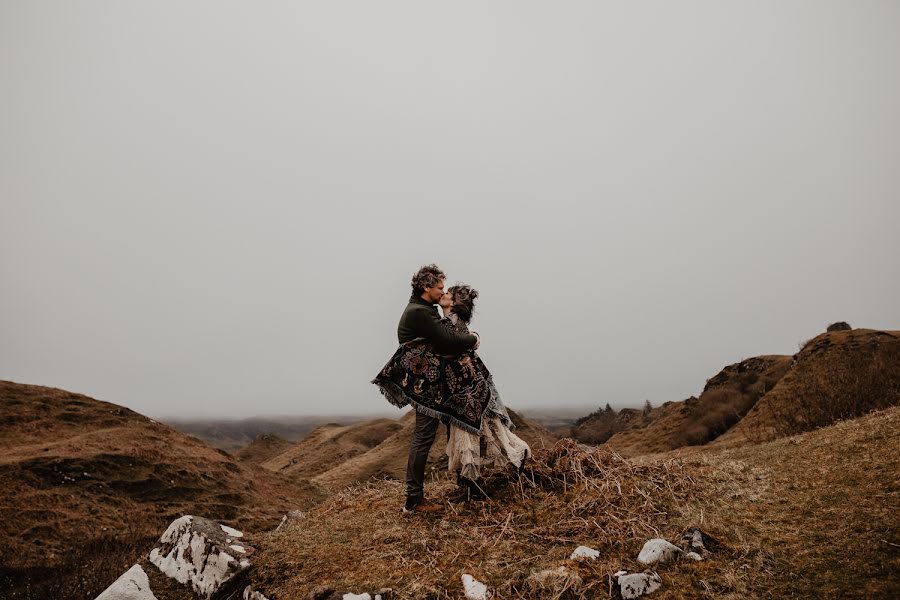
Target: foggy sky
x,y
215,208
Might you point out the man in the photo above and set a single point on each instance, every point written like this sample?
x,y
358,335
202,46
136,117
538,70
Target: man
x,y
420,324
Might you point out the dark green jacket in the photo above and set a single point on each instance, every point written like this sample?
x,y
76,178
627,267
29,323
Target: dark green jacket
x,y
420,320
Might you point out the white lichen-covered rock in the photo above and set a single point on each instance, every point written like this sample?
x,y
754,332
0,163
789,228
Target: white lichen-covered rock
x,y
553,581
659,551
584,552
693,556
201,553
636,585
474,589
132,585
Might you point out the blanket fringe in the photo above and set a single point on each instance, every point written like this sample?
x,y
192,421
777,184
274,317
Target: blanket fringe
x,y
396,396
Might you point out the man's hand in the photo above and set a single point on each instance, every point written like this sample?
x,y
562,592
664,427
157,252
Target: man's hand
x,y
478,341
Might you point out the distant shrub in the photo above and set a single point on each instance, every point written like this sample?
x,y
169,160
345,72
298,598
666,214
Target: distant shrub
x,y
839,326
603,423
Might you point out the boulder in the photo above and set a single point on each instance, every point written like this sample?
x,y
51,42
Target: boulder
x,y
659,551
201,553
636,585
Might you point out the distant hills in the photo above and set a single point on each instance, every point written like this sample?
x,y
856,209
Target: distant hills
x,y
839,374
233,434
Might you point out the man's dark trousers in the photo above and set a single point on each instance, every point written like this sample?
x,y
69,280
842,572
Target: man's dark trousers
x,y
423,438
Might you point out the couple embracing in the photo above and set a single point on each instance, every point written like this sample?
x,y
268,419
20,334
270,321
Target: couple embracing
x,y
437,371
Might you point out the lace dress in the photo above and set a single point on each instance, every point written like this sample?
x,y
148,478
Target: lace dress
x,y
497,445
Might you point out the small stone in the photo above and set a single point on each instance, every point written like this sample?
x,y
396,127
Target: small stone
x,y
474,589
659,551
585,552
693,556
638,584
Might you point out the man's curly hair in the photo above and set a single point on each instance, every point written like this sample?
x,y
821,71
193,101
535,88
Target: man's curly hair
x,y
463,300
426,277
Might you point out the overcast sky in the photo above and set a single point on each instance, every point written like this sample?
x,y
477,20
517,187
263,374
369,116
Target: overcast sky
x,y
215,208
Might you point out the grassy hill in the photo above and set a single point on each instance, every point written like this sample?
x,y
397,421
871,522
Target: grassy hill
x,y
330,445
85,485
726,398
836,375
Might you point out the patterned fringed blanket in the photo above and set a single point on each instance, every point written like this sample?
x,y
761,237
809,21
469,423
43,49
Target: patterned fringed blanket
x,y
456,390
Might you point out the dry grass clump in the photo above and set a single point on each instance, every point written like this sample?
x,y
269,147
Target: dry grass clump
x,y
567,496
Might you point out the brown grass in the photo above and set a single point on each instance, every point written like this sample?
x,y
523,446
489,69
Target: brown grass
x,y
812,516
568,497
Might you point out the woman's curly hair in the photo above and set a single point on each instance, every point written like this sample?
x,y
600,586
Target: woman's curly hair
x,y
426,277
463,301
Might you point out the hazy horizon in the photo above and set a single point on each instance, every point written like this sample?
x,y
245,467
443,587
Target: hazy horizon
x,y
214,209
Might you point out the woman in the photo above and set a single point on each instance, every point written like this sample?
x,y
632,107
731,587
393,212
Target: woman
x,y
466,377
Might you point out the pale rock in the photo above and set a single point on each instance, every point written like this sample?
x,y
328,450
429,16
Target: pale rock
x,y
585,552
552,582
132,585
474,589
659,551
638,584
251,594
693,556
192,551
350,596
